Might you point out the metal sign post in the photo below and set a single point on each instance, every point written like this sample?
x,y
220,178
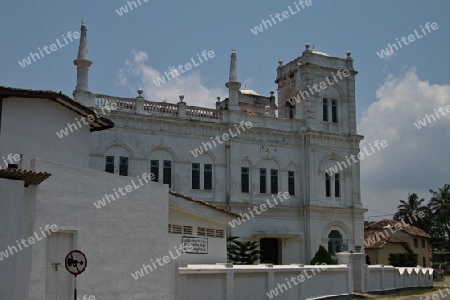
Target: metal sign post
x,y
76,263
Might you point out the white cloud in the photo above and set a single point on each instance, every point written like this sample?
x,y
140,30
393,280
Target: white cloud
x,y
137,73
415,159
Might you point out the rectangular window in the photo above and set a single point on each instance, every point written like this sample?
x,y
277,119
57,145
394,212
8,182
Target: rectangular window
x,y
327,185
262,181
274,181
334,111
244,180
325,109
291,183
416,243
123,167
195,176
423,243
337,185
207,177
154,168
109,164
167,172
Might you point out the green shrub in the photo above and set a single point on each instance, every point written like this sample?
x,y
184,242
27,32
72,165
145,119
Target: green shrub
x,y
403,259
322,256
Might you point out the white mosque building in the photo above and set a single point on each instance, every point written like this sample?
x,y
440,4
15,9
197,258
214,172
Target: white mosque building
x,y
150,191
248,152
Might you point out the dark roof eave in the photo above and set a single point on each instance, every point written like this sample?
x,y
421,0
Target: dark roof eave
x,y
100,123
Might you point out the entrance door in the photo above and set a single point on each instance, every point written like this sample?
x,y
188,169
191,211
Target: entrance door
x,y
58,281
269,251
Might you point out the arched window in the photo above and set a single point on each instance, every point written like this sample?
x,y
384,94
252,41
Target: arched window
x,y
161,166
117,160
291,109
334,242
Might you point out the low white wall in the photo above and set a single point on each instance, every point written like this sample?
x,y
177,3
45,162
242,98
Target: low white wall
x,y
227,281
384,278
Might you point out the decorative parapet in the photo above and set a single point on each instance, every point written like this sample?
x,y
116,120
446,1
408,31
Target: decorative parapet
x,y
203,113
141,106
156,108
162,108
122,103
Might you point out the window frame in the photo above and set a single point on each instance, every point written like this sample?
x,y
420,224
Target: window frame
x,y
337,185
334,111
109,164
195,174
327,185
325,116
291,183
124,167
207,177
262,180
273,181
245,179
154,169
167,172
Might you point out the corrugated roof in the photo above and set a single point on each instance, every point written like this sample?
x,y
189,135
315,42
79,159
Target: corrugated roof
x,y
29,177
100,123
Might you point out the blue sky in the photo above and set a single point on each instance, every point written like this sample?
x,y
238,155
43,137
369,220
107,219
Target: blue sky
x,y
128,51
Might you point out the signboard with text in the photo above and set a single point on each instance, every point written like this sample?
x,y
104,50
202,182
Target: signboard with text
x,y
195,245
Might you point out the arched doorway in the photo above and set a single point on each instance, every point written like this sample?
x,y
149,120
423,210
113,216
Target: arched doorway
x,y
290,109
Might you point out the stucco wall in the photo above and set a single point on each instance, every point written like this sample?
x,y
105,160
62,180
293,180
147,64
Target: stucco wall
x,y
217,247
253,282
29,121
11,205
117,238
382,278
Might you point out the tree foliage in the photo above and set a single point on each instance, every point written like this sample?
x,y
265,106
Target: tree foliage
x,y
242,253
433,218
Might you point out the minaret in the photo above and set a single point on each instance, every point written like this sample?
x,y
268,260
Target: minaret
x,y
81,92
233,85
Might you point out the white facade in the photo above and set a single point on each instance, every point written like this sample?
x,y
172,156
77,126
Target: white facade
x,y
297,146
125,235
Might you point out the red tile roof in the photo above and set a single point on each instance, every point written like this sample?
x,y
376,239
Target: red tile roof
x,y
383,224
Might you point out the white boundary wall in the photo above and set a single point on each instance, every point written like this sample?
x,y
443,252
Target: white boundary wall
x,y
235,282
384,278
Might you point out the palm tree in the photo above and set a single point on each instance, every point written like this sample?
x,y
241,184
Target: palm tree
x,y
440,207
414,213
409,208
242,253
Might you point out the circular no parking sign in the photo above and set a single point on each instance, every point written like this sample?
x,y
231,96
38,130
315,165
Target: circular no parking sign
x,y
76,262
